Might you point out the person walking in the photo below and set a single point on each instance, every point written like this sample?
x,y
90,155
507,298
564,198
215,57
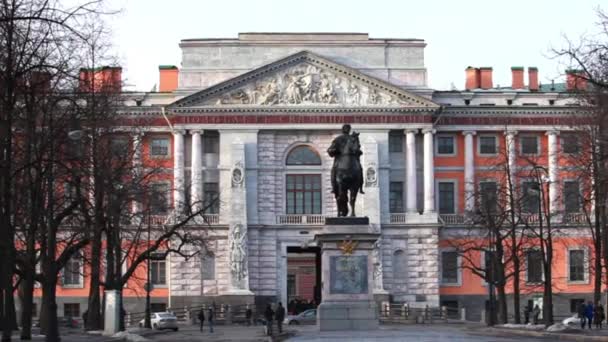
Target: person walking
x,y
536,313
210,317
589,313
582,309
201,318
268,315
527,311
280,316
248,316
598,315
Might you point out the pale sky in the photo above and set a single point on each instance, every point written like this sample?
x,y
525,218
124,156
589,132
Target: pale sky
x,y
500,33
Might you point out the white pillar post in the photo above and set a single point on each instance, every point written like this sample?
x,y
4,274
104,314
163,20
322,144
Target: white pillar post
x,y
552,171
429,172
137,166
197,171
410,171
469,172
178,171
511,148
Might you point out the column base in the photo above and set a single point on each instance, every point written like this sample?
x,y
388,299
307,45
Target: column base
x,y
348,315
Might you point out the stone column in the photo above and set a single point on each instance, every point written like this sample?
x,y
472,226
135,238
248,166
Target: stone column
x,y
469,172
197,171
429,172
178,171
511,147
371,200
552,171
410,171
137,167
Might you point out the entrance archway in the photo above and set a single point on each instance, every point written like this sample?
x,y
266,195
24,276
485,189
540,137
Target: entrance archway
x,y
303,278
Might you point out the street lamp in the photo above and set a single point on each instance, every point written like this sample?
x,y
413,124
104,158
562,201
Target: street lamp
x,y
148,287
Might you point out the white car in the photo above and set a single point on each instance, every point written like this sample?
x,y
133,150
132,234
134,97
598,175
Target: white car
x,y
306,317
161,320
572,321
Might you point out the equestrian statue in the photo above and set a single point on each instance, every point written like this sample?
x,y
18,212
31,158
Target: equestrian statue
x,y
346,173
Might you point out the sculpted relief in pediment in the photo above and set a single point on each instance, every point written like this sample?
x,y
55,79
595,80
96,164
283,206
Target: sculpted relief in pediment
x,y
306,84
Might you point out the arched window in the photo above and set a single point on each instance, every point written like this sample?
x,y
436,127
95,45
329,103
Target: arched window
x,y
399,265
303,155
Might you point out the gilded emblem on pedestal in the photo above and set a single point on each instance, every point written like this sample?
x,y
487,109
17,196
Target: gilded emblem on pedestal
x,y
348,246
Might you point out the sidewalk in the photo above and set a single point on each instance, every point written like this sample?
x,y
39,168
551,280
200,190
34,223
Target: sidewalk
x,y
578,335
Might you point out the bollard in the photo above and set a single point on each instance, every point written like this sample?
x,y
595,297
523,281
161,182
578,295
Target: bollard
x,y
444,312
483,316
128,319
186,314
228,315
427,314
463,314
406,310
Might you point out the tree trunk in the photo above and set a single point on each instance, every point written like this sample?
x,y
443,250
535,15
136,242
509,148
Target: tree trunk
x,y
49,307
27,301
94,308
516,290
502,305
548,288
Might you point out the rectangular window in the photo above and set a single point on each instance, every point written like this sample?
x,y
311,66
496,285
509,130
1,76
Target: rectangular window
x,y
119,146
445,144
449,267
71,310
576,262
396,197
529,144
570,144
531,197
446,198
395,142
159,147
487,145
158,270
488,197
534,261
211,198
291,286
72,272
159,198
211,142
208,267
303,194
572,203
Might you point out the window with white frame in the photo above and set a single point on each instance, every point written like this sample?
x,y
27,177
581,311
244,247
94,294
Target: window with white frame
x,y
577,269
570,143
399,264
159,147
395,142
534,266
488,144
396,197
572,203
303,194
119,147
158,269
446,145
530,197
208,266
529,144
211,193
488,196
72,272
449,268
446,198
159,198
211,142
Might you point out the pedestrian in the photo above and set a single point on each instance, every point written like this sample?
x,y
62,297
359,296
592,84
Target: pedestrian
x,y
268,315
527,310
210,317
589,313
280,316
84,319
581,314
598,315
536,313
248,316
201,318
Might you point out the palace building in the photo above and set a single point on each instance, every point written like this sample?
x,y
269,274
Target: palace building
x,y
251,119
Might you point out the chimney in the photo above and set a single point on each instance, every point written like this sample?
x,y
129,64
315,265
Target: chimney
x,y
485,76
472,78
533,78
575,80
517,76
168,78
103,79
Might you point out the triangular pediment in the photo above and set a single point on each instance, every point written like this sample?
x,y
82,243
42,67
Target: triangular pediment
x,y
305,80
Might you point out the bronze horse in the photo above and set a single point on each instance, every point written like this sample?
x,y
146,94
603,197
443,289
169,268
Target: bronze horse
x,y
348,174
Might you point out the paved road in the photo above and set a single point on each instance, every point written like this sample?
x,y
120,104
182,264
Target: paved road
x,y
416,333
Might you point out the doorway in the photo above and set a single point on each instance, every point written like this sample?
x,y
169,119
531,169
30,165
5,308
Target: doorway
x,y
303,278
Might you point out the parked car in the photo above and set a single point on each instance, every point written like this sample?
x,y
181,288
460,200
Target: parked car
x,y
161,320
306,317
65,322
572,321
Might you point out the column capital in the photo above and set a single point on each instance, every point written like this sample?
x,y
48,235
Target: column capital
x,y
197,131
469,133
511,133
410,130
552,132
179,132
429,130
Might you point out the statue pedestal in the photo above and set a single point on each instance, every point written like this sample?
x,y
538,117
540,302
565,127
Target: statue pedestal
x,y
347,275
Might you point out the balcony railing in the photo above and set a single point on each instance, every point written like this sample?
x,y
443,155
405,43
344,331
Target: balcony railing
x,y
301,219
453,219
575,218
398,218
211,218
